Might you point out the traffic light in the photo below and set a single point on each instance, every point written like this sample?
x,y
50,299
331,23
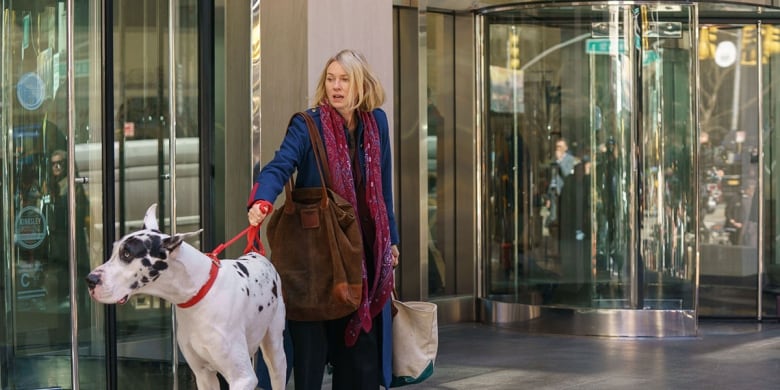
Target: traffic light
x,y
771,41
514,49
708,41
749,45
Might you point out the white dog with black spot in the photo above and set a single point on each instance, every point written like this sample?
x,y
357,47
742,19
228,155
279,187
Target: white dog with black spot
x,y
225,309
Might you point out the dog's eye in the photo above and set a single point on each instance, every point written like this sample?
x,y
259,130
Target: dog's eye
x,y
126,254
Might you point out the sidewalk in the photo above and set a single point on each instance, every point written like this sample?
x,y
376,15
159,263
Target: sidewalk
x,y
725,355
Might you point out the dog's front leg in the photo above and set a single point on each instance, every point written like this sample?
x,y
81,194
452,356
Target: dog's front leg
x,y
230,357
196,354
241,375
205,375
206,379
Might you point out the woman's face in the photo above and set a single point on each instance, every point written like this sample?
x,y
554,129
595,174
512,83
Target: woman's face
x,y
337,89
57,166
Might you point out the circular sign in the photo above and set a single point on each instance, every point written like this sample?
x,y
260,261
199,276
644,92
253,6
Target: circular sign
x,y
725,54
30,227
30,90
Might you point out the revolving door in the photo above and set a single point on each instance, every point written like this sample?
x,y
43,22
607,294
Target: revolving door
x,y
589,146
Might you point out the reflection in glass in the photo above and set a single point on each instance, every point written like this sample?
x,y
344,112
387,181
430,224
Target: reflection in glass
x,y
142,123
37,305
771,185
440,149
143,99
667,172
729,171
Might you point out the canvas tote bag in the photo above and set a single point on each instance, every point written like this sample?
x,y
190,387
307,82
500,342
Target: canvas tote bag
x,y
317,247
415,341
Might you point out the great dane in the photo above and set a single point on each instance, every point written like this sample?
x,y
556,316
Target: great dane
x,y
225,309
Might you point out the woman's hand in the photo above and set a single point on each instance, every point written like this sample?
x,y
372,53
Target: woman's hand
x,y
258,212
394,252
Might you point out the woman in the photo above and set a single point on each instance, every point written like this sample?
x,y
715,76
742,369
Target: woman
x,y
355,133
57,214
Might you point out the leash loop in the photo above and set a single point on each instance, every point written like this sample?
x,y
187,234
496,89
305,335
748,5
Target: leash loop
x,y
253,241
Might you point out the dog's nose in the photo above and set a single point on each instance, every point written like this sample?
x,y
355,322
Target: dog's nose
x,y
92,280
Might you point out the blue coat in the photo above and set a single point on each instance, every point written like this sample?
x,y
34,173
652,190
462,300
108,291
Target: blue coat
x,y
296,154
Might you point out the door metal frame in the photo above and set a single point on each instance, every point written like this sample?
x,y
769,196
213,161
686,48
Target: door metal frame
x,y
71,104
173,23
760,189
109,193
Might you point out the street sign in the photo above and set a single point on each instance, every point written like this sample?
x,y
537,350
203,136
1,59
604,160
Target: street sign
x,y
604,46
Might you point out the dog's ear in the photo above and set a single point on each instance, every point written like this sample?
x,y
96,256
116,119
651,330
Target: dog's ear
x,y
150,220
173,242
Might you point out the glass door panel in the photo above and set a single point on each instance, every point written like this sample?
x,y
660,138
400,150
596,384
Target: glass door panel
x,y
729,168
440,145
607,184
140,95
666,141
43,158
770,116
150,96
588,108
558,131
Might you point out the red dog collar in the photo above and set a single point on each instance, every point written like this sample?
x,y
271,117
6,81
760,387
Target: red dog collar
x,y
206,286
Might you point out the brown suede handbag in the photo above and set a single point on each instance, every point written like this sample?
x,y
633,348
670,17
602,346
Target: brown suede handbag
x,y
317,247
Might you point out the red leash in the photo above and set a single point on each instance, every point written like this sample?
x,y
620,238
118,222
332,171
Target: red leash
x,y
252,239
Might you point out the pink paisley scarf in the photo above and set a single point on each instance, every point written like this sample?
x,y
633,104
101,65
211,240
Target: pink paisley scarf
x,y
376,295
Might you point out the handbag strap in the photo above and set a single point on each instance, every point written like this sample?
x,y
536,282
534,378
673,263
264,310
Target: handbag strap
x,y
393,299
322,164
319,150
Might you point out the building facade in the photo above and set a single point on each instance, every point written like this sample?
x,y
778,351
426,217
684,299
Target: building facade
x,y
590,168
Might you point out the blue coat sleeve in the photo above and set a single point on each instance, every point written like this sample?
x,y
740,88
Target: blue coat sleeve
x,y
295,153
387,172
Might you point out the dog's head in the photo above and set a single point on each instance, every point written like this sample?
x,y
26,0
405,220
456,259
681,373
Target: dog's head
x,y
137,260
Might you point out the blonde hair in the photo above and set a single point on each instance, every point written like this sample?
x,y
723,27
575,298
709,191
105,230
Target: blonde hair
x,y
365,91
63,155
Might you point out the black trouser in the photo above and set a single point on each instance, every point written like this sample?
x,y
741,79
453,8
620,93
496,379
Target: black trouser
x,y
316,343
